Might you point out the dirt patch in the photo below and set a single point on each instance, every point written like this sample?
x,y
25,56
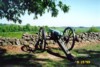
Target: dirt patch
x,y
12,49
85,43
16,49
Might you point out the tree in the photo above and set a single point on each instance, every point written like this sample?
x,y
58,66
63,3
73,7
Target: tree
x,y
13,9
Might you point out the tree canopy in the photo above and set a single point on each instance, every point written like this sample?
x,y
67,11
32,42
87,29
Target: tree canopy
x,y
13,9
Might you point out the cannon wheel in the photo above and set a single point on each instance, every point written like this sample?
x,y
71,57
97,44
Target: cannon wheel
x,y
69,38
42,39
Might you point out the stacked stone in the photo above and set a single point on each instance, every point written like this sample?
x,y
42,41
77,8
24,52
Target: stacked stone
x,y
9,41
29,39
88,36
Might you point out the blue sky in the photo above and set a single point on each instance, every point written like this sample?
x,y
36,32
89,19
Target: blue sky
x,y
81,13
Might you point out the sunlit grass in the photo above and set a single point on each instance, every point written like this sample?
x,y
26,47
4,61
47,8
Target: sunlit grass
x,y
13,34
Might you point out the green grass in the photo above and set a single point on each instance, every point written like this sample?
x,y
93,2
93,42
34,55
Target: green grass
x,y
92,50
77,29
13,34
81,30
32,60
86,49
62,63
19,34
91,47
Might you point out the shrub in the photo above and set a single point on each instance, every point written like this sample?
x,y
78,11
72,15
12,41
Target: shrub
x,y
93,29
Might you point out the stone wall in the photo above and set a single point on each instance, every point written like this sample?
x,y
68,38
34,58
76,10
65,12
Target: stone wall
x,y
28,39
88,36
25,40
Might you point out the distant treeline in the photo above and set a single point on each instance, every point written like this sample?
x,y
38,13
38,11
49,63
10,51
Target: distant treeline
x,y
18,28
29,28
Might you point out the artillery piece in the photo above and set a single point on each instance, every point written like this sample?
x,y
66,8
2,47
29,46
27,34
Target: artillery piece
x,y
65,40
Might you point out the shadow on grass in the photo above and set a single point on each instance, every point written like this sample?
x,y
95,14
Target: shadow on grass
x,y
20,60
93,57
2,51
55,54
89,55
69,57
28,60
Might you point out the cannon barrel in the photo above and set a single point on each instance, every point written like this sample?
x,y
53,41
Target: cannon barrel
x,y
55,34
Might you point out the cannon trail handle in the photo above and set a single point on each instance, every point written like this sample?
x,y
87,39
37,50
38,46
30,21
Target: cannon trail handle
x,y
66,51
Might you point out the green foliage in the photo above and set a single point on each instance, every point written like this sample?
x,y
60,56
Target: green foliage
x,y
93,29
18,28
13,9
12,30
86,29
46,28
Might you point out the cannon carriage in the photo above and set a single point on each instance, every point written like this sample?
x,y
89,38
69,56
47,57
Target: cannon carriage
x,y
67,37
65,40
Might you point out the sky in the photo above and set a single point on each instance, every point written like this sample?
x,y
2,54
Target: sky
x,y
82,13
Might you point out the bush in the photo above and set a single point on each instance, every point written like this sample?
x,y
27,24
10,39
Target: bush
x,y
93,29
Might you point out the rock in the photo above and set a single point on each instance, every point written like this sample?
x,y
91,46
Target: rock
x,y
21,41
5,43
25,43
9,43
18,42
88,36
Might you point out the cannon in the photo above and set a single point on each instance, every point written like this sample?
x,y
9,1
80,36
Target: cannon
x,y
65,40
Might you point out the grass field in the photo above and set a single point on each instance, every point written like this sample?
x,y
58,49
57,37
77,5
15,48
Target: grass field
x,y
19,34
77,29
13,34
53,58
